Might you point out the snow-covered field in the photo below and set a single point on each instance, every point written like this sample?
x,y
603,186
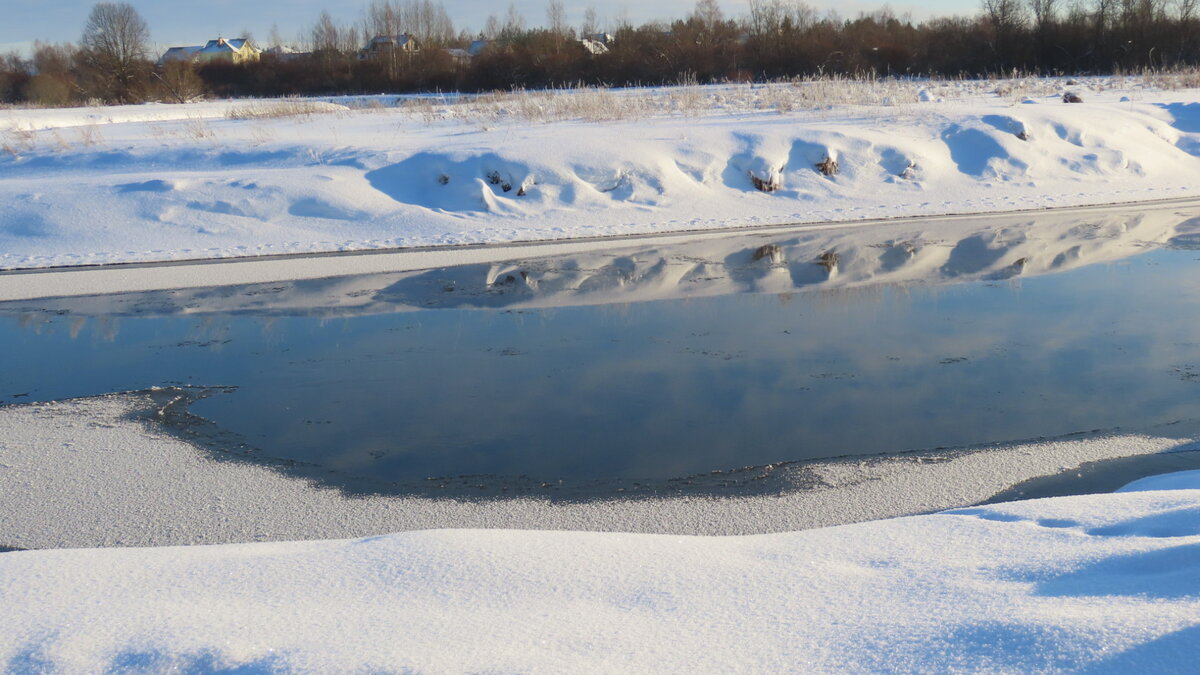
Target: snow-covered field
x,y
221,179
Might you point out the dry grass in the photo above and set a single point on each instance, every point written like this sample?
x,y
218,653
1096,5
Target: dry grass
x,y
261,134
59,140
198,129
292,107
18,140
687,99
820,95
89,135
1171,80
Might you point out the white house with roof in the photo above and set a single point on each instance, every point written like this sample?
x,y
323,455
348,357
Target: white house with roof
x,y
593,47
179,54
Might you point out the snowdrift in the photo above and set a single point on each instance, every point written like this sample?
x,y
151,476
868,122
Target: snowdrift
x,y
212,186
1097,583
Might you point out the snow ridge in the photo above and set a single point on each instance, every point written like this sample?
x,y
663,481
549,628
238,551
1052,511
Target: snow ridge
x,y
218,187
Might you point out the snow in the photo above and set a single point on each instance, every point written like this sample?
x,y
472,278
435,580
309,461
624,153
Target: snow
x,y
1105,583
228,179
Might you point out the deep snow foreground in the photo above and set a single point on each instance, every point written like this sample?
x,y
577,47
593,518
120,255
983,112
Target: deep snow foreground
x,y
164,182
1097,583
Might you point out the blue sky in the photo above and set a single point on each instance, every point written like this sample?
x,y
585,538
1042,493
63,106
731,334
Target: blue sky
x,y
188,22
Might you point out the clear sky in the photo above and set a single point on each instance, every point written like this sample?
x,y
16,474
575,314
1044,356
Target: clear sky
x,y
180,22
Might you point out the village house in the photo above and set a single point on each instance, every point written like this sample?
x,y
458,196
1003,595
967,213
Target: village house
x,y
384,45
460,57
220,50
476,48
178,54
593,47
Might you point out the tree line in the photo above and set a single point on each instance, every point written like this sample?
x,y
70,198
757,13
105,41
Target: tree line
x,y
776,39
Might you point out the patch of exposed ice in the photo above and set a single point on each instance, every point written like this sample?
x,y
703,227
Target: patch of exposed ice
x,y
89,472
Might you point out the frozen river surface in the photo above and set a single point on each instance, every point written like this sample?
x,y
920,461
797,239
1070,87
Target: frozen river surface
x,y
638,365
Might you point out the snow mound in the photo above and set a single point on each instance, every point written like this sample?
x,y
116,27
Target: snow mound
x,y
1180,480
151,185
1072,583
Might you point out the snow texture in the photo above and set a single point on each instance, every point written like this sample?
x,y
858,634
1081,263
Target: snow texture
x,y
212,180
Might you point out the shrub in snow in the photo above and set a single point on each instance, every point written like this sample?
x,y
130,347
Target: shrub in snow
x,y
494,178
510,280
770,252
1071,97
828,166
771,183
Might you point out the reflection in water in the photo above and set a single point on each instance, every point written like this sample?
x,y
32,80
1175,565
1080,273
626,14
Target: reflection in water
x,y
671,361
938,252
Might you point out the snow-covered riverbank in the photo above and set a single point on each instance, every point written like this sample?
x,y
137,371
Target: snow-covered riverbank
x,y
208,180
1102,583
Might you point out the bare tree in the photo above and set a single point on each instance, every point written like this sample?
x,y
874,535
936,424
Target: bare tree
x,y
1044,12
180,82
514,23
113,52
1007,18
53,82
708,13
491,28
556,18
591,25
383,19
427,21
331,41
1045,16
620,21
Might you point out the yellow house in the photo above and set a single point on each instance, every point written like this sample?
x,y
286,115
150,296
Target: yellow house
x,y
234,50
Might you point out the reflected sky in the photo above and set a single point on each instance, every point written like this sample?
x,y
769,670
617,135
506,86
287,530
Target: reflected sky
x,y
660,388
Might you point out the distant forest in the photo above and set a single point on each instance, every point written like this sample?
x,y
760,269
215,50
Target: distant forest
x,y
777,39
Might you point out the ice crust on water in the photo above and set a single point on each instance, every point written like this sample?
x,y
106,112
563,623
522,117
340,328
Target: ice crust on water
x,y
1103,582
140,486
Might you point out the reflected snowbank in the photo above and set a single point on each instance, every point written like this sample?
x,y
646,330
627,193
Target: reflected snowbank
x,y
933,253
